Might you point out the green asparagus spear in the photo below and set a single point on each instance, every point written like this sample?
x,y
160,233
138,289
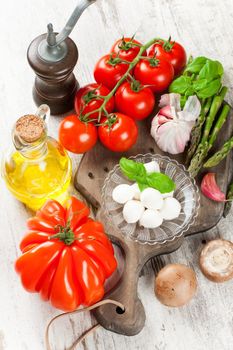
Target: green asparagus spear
x,y
215,106
220,155
197,160
229,197
221,120
196,131
203,147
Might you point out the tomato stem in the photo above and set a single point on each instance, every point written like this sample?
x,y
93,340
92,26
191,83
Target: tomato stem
x,y
65,235
168,44
132,64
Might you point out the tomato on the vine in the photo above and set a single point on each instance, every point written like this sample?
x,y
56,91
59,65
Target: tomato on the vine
x,y
88,99
77,136
109,70
171,51
157,73
121,135
127,49
134,100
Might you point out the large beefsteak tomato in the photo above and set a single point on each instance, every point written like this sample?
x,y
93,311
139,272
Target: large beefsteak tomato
x,y
66,255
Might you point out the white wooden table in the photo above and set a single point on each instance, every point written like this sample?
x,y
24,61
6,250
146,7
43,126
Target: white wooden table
x,y
204,27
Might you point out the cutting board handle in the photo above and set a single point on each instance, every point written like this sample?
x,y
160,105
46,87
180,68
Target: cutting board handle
x,y
131,320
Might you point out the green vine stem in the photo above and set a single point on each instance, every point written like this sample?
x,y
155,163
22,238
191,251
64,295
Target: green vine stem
x,y
132,64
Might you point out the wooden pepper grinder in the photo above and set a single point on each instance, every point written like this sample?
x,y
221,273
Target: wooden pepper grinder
x,y
53,57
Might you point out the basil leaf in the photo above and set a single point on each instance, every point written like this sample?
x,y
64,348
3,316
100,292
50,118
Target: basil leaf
x,y
133,170
142,186
212,89
160,182
200,84
180,85
196,65
211,70
220,68
190,91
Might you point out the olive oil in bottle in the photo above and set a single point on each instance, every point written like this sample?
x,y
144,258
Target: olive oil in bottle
x,y
38,168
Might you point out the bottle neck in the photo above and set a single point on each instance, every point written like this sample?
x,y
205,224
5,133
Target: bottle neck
x,y
31,150
35,151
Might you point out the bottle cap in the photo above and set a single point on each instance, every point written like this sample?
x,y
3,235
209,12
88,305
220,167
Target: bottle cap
x,y
30,128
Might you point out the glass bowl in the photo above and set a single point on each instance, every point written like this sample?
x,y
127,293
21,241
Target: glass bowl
x,y
187,193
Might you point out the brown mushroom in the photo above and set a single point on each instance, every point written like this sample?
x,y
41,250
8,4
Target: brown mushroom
x,y
175,285
216,260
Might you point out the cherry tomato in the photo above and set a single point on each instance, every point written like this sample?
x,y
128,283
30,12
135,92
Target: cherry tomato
x,y
86,100
77,136
108,71
134,100
170,51
126,50
121,136
158,73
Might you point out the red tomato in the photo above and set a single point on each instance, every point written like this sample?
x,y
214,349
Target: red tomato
x,y
126,50
172,52
69,265
121,136
135,101
157,73
85,100
77,136
108,72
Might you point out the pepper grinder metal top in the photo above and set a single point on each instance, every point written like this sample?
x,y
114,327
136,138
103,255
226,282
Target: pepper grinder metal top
x,y
53,57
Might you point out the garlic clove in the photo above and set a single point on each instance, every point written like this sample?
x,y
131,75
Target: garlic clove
x,y
216,260
152,167
171,209
136,191
122,193
133,211
151,198
151,219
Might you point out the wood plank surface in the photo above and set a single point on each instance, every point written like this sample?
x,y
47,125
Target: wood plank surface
x,y
203,27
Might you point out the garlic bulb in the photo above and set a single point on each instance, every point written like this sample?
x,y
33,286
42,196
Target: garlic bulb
x,y
171,127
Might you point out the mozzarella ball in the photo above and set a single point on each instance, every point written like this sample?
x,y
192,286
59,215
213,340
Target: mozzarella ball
x,y
152,167
151,219
151,198
136,190
168,194
171,209
132,211
122,193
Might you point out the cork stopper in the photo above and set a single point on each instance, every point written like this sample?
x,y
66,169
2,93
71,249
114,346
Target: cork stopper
x,y
30,128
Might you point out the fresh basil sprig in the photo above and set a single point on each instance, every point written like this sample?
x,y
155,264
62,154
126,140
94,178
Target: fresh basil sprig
x,y
136,171
202,77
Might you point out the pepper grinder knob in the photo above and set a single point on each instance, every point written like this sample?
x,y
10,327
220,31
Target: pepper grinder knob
x,y
53,57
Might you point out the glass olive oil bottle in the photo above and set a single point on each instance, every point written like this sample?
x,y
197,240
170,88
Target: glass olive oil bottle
x,y
38,168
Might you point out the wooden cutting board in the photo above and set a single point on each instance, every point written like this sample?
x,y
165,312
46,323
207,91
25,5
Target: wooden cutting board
x,y
89,180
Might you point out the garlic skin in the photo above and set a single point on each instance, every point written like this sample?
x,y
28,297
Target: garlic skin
x,y
133,211
122,193
151,219
171,127
151,198
171,209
